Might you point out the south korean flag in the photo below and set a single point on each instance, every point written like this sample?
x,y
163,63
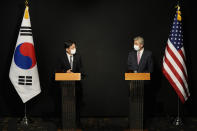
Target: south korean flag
x,y
23,71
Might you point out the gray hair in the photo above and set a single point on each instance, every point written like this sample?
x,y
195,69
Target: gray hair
x,y
139,39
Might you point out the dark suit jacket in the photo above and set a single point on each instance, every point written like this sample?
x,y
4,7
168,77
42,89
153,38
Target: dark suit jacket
x,y
145,65
77,64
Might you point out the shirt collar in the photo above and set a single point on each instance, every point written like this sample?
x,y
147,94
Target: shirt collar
x,y
68,55
141,51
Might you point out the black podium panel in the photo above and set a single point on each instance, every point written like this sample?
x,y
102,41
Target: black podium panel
x,y
68,106
136,105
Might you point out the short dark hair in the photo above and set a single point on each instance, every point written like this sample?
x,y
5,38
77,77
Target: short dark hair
x,y
68,43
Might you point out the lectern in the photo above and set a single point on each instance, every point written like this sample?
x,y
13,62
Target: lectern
x,y
136,99
68,85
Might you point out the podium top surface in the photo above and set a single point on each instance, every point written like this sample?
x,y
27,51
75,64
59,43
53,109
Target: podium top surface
x,y
67,76
137,76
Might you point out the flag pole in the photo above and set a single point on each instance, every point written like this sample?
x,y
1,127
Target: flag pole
x,y
25,121
178,120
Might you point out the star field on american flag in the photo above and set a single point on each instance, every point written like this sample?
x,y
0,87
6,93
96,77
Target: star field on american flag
x,y
176,36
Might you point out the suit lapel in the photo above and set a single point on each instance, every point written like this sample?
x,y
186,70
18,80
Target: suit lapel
x,y
67,61
135,57
141,60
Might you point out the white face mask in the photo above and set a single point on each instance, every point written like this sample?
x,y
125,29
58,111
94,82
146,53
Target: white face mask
x,y
136,47
73,51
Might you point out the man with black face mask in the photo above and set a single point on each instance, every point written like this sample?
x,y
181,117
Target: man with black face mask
x,y
139,59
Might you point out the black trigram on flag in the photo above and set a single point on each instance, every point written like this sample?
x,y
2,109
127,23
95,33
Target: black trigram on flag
x,y
25,80
25,31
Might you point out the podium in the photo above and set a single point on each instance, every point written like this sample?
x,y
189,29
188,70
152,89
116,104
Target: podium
x,y
136,99
68,85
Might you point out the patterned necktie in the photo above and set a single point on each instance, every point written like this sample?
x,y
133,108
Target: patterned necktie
x,y
71,62
138,57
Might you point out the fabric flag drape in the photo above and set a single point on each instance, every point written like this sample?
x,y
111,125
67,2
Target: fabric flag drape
x,y
23,71
174,60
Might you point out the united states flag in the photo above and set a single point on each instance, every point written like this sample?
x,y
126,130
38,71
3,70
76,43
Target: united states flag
x,y
174,67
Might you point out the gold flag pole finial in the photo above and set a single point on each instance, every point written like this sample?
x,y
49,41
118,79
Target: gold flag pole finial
x,y
26,10
26,2
178,12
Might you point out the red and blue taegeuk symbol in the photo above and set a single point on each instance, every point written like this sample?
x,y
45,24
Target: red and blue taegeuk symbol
x,y
24,56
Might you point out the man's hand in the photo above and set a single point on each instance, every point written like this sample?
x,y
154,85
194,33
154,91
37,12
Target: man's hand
x,y
134,71
69,71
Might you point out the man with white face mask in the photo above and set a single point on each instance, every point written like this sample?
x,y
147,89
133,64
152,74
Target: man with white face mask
x,y
71,62
140,60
